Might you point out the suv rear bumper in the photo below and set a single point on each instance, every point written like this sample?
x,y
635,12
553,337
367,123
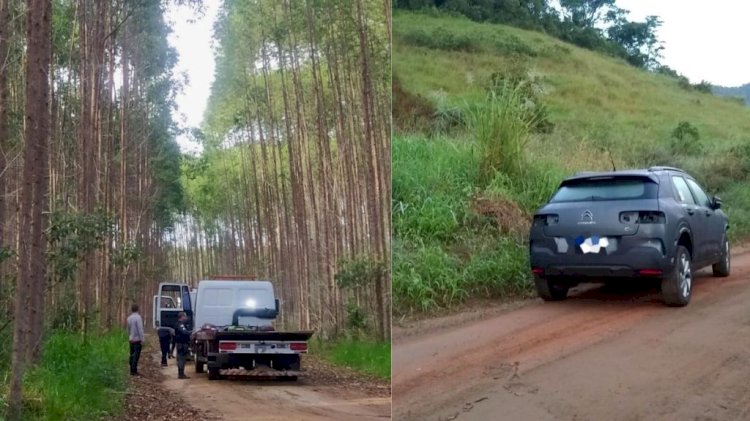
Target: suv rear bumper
x,y
628,262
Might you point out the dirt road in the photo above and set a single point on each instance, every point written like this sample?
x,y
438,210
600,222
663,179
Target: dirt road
x,y
605,353
306,399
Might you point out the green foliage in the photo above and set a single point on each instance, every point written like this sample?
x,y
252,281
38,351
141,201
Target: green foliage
x,y
6,253
686,140
76,379
71,235
359,271
533,188
373,358
425,277
531,90
637,40
125,255
443,252
442,38
579,22
703,86
736,203
501,128
432,181
356,318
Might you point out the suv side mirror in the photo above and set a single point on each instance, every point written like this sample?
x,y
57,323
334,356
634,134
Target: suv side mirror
x,y
716,203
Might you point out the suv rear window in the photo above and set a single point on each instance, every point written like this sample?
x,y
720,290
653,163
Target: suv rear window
x,y
606,188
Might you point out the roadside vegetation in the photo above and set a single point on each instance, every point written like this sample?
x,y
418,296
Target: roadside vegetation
x,y
74,379
364,356
489,118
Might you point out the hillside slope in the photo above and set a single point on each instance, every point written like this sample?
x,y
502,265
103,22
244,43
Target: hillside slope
x,y
450,244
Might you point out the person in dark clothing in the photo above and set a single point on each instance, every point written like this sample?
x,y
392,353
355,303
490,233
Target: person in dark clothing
x,y
182,343
135,337
166,334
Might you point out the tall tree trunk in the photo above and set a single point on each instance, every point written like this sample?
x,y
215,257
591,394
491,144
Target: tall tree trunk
x,y
32,253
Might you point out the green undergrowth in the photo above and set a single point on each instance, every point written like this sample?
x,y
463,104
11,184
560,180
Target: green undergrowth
x,y
463,157
76,380
362,355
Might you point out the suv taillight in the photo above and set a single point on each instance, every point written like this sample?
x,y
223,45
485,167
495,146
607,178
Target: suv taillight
x,y
643,217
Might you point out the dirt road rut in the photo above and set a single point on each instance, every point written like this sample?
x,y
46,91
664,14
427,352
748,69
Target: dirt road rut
x,y
605,353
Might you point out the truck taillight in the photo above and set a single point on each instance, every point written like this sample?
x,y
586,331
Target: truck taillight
x,y
298,346
227,346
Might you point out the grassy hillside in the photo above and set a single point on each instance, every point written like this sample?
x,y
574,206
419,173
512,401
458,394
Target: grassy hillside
x,y
459,231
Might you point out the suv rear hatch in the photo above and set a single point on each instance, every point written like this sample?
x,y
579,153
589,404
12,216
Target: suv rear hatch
x,y
606,206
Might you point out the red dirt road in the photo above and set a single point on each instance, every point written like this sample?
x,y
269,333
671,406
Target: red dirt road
x,y
605,353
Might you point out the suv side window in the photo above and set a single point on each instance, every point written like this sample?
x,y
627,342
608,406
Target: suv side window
x,y
700,195
682,191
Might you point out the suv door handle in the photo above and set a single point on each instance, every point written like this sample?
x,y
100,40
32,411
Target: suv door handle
x,y
690,211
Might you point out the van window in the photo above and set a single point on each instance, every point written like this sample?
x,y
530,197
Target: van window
x,y
218,297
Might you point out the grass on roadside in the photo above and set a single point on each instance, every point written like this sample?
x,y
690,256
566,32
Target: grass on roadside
x,y
77,380
365,356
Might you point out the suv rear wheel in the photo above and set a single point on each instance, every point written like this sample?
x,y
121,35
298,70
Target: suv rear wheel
x,y
677,287
722,267
549,290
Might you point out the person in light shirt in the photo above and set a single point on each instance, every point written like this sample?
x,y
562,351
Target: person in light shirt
x,y
135,337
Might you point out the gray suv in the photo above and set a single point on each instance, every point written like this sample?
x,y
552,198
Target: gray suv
x,y
653,223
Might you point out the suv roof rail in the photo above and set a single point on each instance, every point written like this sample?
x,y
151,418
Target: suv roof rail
x,y
659,168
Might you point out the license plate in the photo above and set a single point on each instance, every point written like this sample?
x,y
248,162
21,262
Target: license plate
x,y
261,348
246,346
593,244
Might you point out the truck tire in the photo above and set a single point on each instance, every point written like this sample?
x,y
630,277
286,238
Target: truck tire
x,y
677,287
550,291
721,268
213,373
199,366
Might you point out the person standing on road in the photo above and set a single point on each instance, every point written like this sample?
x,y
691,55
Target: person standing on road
x,y
182,341
166,335
135,337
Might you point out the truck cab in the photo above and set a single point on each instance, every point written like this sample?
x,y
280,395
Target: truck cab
x,y
170,301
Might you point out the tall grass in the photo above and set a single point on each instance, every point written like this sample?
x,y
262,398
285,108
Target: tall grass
x,y
443,252
501,127
373,358
77,380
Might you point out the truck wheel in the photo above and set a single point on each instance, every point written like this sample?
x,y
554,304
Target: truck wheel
x,y
721,268
550,291
677,287
213,373
199,366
